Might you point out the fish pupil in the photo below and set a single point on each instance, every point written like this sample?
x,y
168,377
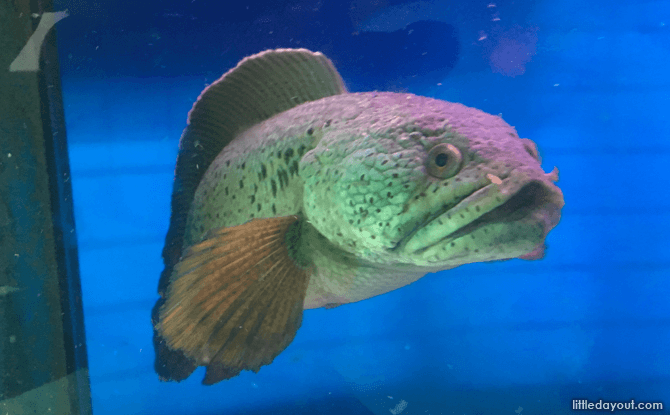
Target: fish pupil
x,y
441,159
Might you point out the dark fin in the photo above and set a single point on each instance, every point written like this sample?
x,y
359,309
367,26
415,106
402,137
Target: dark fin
x,y
169,364
259,87
235,300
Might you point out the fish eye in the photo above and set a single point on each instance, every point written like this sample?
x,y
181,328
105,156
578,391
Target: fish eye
x,y
441,160
444,161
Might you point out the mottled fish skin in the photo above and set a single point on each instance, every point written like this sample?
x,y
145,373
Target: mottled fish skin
x,y
357,169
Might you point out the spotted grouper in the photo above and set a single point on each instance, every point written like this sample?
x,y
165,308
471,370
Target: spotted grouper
x,y
291,193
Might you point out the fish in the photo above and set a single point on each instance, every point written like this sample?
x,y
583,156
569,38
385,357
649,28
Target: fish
x,y
291,193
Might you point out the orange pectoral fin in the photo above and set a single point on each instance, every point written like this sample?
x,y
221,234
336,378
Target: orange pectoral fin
x,y
234,301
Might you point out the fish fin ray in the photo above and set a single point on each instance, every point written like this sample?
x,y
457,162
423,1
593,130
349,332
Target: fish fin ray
x,y
234,301
169,364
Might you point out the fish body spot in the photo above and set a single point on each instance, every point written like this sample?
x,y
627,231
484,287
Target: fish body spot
x,y
293,168
287,155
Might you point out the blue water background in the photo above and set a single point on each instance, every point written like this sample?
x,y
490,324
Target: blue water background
x,y
587,81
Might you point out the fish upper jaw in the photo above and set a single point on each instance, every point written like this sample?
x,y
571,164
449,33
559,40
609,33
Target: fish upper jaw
x,y
505,219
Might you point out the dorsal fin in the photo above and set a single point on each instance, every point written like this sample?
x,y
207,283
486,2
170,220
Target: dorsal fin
x,y
259,87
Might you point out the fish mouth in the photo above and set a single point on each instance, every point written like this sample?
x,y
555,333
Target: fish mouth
x,y
517,200
530,198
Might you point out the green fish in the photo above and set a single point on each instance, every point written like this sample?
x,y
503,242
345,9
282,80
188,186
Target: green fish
x,y
291,193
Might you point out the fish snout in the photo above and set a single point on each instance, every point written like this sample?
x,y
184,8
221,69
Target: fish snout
x,y
548,201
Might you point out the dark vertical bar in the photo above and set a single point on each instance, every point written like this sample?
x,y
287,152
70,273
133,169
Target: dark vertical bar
x,y
43,364
62,216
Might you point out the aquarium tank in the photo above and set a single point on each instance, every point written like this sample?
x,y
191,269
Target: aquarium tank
x,y
322,207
